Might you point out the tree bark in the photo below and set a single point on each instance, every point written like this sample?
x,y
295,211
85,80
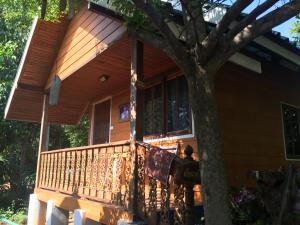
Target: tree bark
x,y
210,150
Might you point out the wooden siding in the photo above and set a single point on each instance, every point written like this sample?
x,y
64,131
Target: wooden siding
x,y
120,130
89,34
44,47
250,116
92,46
84,87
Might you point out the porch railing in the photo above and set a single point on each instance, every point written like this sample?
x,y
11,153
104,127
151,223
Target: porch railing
x,y
171,203
99,172
103,172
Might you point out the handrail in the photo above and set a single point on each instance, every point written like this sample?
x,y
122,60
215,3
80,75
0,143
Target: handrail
x,y
111,144
171,203
97,172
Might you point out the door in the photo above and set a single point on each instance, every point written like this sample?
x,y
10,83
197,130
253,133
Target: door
x,y
101,130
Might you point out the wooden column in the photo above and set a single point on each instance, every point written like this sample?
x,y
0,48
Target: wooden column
x,y
36,211
136,92
136,115
44,135
56,215
79,217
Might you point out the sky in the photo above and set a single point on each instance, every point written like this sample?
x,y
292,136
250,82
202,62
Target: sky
x,y
283,28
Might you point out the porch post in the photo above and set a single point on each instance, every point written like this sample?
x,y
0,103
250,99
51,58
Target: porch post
x,y
44,135
136,128
136,93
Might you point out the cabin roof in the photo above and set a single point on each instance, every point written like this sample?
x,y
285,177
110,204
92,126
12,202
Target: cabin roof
x,y
104,49
35,65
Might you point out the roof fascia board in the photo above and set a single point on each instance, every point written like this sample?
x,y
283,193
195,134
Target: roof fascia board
x,y
20,68
274,47
246,62
214,16
238,58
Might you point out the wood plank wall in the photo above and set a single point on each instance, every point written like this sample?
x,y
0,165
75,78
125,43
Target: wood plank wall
x,y
250,116
88,35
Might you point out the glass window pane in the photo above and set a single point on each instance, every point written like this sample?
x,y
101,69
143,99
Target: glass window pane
x,y
153,118
291,131
183,105
172,105
148,112
157,119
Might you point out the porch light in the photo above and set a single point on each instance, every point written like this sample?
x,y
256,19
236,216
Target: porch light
x,y
103,78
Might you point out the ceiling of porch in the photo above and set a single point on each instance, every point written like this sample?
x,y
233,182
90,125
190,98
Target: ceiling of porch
x,y
83,87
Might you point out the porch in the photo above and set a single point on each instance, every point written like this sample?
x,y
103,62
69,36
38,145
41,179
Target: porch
x,y
109,182
95,61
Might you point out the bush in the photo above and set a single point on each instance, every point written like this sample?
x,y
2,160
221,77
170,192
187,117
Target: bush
x,y
18,216
247,207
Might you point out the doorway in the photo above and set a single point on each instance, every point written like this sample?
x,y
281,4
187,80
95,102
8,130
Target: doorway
x,y
101,120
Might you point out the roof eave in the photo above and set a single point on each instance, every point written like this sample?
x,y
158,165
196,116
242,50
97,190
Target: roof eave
x,y
20,68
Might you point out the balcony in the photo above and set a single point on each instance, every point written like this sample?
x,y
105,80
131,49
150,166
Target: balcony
x,y
112,179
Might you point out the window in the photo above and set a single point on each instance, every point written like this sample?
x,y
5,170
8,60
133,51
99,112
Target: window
x,y
290,116
153,114
167,108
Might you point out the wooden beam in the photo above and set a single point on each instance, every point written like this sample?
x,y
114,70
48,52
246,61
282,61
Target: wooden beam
x,y
140,91
136,94
136,117
30,87
44,135
55,90
97,211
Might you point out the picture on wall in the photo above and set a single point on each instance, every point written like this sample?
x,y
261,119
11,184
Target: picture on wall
x,y
124,112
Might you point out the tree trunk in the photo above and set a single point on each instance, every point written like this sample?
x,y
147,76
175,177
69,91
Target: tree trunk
x,y
210,149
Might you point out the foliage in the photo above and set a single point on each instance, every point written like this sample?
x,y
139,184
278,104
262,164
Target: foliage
x,y
78,134
19,140
15,215
247,207
295,31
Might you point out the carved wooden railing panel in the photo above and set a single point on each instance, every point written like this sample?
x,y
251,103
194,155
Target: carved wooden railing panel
x,y
169,203
99,172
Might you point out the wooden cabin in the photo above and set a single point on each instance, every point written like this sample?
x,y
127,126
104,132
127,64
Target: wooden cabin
x,y
132,91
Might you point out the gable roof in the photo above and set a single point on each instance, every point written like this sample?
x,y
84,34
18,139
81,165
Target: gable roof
x,y
38,57
105,49
272,41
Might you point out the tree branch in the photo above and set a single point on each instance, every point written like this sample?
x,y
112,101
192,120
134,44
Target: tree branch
x,y
251,17
233,12
160,23
71,9
62,5
211,41
263,25
194,21
161,43
44,9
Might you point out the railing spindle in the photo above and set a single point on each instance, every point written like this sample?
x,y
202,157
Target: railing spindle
x,y
72,171
41,171
67,172
58,170
63,170
54,170
99,172
48,170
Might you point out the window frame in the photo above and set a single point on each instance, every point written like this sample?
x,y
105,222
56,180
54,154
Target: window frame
x,y
283,129
165,135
